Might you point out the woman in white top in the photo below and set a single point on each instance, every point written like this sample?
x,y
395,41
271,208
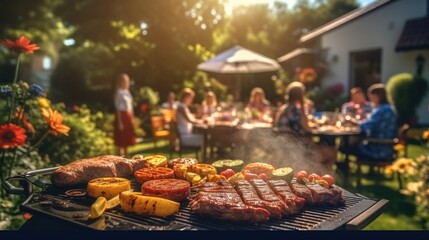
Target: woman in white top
x,y
123,128
209,104
185,119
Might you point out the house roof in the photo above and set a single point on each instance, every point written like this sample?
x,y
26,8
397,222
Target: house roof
x,y
348,17
415,35
295,53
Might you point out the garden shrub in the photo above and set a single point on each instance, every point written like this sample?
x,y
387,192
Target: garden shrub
x,y
405,92
85,139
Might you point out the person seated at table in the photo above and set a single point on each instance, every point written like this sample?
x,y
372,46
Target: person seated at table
x,y
358,105
258,105
381,124
185,120
291,118
291,115
171,102
209,105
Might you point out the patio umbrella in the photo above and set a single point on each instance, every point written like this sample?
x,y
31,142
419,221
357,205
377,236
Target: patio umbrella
x,y
239,60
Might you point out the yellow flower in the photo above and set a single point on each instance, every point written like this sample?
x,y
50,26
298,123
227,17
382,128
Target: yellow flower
x,y
399,147
425,135
55,121
389,170
402,164
43,102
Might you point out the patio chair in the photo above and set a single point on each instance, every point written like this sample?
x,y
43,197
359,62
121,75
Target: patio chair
x,y
380,164
176,142
158,126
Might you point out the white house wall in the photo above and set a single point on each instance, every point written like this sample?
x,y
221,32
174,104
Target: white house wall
x,y
379,29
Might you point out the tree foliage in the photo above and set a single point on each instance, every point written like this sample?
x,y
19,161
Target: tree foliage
x,y
159,43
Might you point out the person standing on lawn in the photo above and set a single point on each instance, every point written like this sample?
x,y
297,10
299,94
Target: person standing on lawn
x,y
123,125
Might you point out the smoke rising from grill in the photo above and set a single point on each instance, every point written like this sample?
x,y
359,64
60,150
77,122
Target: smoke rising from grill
x,y
282,150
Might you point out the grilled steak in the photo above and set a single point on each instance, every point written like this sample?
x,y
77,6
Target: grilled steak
x,y
265,193
84,170
303,192
315,194
223,202
251,198
282,189
323,196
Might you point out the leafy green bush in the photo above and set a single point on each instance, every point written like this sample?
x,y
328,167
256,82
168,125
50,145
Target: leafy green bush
x,y
85,139
406,92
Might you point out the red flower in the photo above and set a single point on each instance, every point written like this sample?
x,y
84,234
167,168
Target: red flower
x,y
12,136
22,44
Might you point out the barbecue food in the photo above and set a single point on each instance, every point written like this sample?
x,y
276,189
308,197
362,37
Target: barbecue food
x,y
324,197
259,167
172,189
107,187
135,202
84,170
222,165
185,161
223,202
315,194
156,161
265,193
202,169
302,191
152,173
282,189
250,197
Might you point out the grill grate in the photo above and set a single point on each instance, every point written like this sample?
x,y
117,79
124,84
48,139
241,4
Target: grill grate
x,y
311,218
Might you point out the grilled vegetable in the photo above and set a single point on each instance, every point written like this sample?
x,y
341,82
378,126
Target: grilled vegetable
x,y
180,171
135,202
202,169
322,183
215,178
193,178
228,173
98,207
259,167
107,187
313,177
156,161
112,203
236,177
301,176
222,165
329,179
285,173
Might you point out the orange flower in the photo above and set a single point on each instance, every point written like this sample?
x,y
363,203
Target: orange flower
x,y
55,122
21,116
12,136
22,44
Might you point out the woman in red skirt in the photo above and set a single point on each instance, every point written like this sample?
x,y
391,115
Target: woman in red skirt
x,y
124,130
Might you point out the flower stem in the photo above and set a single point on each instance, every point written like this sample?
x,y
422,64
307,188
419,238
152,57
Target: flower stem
x,y
12,163
16,68
40,141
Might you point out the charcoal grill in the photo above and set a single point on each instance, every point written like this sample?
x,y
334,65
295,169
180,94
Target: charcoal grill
x,y
52,202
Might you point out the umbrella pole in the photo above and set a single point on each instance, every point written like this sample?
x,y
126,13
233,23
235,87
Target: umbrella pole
x,y
237,92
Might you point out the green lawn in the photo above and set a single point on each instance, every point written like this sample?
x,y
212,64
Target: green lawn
x,y
398,215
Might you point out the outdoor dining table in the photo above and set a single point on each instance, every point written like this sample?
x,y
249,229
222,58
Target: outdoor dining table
x,y
337,132
233,131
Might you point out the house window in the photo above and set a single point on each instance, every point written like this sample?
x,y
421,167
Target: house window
x,y
365,68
